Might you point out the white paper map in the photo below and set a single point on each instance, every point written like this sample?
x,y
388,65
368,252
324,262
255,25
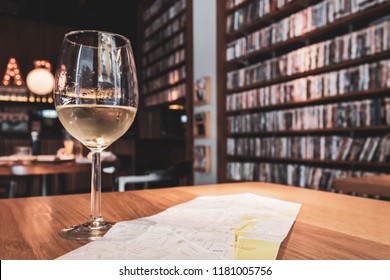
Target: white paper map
x,y
237,226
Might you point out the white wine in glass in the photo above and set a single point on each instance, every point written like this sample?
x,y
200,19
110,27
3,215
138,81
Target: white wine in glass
x,y
96,97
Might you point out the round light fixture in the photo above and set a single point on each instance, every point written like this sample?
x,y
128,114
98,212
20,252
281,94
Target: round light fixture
x,y
40,81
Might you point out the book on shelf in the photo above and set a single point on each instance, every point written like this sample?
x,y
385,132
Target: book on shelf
x,y
371,149
354,114
176,8
365,149
374,37
289,174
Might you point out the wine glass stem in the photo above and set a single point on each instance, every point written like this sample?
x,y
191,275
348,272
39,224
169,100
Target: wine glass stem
x,y
96,188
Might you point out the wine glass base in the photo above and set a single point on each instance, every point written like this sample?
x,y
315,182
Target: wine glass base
x,y
90,230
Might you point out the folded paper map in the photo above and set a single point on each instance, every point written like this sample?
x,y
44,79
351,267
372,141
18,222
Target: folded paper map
x,y
237,226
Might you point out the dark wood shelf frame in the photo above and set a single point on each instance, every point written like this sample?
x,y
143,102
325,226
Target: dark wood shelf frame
x,y
175,146
164,87
236,7
180,101
165,6
152,49
165,55
164,71
337,164
160,28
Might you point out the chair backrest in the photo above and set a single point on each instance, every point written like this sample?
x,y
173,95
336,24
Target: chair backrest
x,y
170,177
377,185
180,170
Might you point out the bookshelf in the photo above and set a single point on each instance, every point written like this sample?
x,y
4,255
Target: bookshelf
x,y
304,90
166,82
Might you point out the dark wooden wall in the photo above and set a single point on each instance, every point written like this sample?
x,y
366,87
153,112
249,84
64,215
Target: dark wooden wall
x,y
27,41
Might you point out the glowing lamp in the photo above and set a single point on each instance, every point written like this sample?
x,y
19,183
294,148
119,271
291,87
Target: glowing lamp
x,y
40,81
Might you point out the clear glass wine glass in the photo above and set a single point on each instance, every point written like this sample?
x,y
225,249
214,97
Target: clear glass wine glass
x,y
96,97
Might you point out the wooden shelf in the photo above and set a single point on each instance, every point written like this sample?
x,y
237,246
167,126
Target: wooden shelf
x,y
160,28
338,27
19,95
318,163
382,129
325,69
28,103
164,71
355,96
166,139
165,6
165,55
267,19
365,15
165,87
237,7
180,100
146,52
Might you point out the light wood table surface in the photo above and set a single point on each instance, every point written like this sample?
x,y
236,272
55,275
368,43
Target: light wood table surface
x,y
328,226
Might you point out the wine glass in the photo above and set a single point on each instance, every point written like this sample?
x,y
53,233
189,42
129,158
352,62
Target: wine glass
x,y
96,97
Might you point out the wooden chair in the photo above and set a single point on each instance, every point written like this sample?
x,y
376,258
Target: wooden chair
x,y
376,185
166,177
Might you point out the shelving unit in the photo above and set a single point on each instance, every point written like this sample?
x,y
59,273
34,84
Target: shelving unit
x,y
20,115
296,71
166,75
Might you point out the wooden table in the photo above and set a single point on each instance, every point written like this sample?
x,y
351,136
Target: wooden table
x,y
43,170
372,185
329,225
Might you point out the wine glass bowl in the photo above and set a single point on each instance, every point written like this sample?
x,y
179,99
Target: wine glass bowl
x,y
96,97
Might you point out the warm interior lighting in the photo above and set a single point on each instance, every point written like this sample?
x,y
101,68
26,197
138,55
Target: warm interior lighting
x,y
12,73
175,107
40,81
